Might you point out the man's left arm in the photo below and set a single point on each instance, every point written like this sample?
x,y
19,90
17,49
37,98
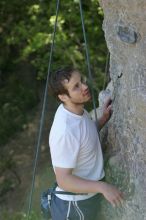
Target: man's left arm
x,y
107,112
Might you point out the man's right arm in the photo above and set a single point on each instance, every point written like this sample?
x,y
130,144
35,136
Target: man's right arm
x,y
71,183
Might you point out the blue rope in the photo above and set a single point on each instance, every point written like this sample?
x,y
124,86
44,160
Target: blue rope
x,y
43,112
88,61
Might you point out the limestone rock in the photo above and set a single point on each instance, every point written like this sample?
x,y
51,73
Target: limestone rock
x,y
126,132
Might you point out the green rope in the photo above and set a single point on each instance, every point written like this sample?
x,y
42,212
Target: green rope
x,y
43,112
88,62
106,75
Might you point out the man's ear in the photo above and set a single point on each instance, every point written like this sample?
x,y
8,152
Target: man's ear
x,y
63,97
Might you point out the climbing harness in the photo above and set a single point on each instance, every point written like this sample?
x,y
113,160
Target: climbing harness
x,y
44,198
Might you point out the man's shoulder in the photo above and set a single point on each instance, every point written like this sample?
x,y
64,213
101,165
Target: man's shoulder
x,y
65,128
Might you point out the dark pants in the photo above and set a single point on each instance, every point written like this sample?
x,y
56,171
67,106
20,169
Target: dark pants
x,y
71,210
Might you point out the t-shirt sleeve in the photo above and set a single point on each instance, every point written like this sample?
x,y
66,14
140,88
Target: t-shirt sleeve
x,y
64,150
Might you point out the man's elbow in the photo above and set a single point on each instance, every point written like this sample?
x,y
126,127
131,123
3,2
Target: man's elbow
x,y
63,178
61,182
65,183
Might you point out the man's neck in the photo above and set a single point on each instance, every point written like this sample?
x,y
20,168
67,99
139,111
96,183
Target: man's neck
x,y
77,109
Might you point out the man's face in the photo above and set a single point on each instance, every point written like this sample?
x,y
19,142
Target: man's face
x,y
78,90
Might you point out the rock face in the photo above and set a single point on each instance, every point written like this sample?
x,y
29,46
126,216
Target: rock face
x,y
125,135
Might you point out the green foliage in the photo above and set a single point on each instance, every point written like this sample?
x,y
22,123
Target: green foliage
x,y
15,101
19,216
32,34
26,29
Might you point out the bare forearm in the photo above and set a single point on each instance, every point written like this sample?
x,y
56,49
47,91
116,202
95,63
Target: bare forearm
x,y
101,122
71,183
107,111
76,184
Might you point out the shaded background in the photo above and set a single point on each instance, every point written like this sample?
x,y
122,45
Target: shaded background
x,y
25,38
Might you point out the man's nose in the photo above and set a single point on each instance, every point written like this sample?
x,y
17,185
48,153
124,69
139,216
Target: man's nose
x,y
84,86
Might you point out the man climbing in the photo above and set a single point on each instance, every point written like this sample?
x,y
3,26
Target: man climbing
x,y
76,151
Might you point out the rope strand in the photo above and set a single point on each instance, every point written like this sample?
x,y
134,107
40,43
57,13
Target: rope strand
x,y
88,61
106,74
43,112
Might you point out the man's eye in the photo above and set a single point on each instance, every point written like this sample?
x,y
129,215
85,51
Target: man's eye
x,y
77,86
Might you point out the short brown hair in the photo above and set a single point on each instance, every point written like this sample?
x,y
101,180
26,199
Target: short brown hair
x,y
56,81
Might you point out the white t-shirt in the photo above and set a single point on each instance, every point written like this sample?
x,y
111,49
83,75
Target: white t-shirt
x,y
74,143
